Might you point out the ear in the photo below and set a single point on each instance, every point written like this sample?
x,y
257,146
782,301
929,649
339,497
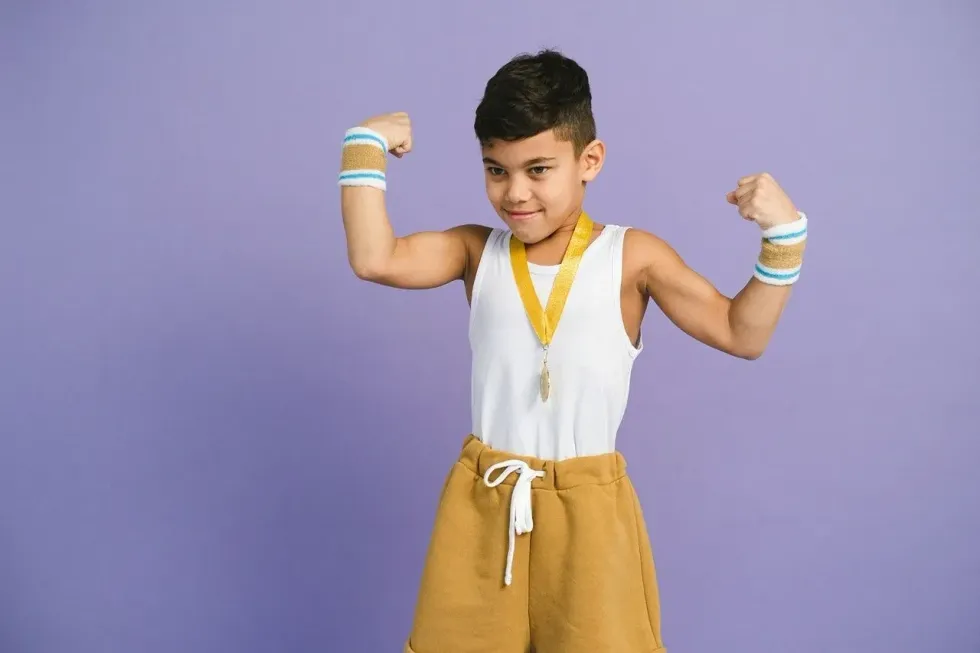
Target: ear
x,y
590,163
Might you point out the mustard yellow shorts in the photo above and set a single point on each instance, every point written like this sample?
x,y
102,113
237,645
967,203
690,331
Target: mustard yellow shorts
x,y
537,555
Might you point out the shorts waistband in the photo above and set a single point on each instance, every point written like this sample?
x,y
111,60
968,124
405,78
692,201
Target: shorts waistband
x,y
558,474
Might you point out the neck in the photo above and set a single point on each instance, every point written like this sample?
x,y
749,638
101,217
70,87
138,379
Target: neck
x,y
567,226
551,250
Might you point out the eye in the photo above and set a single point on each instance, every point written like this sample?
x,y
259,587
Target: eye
x,y
539,170
495,171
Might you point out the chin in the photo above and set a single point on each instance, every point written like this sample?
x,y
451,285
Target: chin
x,y
527,233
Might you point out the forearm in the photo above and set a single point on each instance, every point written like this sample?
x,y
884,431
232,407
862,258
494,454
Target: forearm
x,y
755,311
363,183
371,239
752,316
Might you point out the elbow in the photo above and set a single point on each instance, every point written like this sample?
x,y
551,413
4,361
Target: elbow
x,y
374,265
750,354
747,344
749,351
367,270
363,272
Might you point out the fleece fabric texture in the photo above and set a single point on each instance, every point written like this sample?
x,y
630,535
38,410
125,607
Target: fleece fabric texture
x,y
583,579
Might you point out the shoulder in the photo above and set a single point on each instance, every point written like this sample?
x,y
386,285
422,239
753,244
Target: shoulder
x,y
469,239
642,248
647,256
472,235
473,240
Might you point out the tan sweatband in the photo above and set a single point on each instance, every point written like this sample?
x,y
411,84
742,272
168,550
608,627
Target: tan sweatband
x,y
781,257
364,159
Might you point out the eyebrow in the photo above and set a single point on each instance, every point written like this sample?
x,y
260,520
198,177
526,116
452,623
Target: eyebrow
x,y
529,162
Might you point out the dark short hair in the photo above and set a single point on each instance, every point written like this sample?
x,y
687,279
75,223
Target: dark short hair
x,y
533,93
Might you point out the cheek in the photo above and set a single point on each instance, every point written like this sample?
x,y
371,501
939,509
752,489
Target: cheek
x,y
559,190
494,190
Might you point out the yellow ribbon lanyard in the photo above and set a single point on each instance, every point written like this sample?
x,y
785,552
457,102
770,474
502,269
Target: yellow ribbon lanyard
x,y
545,322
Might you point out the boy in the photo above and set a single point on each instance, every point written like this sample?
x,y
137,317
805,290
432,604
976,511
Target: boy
x,y
556,305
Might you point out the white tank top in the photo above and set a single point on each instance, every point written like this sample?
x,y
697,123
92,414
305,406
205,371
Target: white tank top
x,y
590,359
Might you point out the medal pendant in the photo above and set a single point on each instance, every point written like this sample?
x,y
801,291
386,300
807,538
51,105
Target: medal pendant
x,y
545,382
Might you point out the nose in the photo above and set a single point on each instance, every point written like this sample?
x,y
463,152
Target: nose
x,y
518,191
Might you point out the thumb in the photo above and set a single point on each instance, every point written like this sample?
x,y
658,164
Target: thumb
x,y
731,197
402,149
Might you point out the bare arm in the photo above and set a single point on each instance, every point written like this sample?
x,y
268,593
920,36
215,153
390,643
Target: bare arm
x,y
426,259
740,326
421,260
743,325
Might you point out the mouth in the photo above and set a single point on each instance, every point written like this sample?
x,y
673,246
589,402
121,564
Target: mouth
x,y
522,215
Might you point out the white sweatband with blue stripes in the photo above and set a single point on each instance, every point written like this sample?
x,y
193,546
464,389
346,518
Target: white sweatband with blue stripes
x,y
782,253
364,159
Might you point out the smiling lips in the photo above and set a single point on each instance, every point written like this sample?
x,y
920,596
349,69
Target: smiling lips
x,y
521,215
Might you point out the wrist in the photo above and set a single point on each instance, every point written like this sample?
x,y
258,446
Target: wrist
x,y
785,231
364,158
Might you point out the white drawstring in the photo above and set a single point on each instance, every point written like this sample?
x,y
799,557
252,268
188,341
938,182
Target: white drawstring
x,y
521,520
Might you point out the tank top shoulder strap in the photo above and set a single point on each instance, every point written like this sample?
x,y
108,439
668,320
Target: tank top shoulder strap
x,y
616,241
496,252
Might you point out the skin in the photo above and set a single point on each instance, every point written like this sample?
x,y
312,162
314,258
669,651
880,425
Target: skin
x,y
537,187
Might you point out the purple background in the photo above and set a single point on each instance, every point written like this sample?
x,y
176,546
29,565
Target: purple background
x,y
214,438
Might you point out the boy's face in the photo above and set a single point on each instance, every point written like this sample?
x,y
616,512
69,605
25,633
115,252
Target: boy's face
x,y
537,185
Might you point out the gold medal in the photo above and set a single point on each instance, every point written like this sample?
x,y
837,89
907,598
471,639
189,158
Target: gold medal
x,y
545,382
545,322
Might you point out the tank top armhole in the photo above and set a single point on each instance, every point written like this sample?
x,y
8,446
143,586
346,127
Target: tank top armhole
x,y
491,250
617,253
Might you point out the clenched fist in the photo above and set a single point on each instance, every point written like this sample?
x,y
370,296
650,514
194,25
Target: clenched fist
x,y
760,199
397,130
